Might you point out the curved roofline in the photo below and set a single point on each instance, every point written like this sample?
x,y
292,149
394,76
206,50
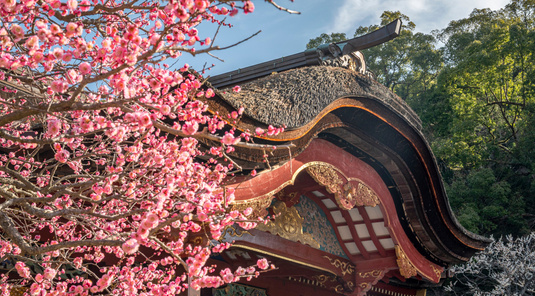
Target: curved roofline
x,y
323,101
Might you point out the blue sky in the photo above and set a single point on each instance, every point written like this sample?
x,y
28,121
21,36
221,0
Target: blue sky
x,y
285,34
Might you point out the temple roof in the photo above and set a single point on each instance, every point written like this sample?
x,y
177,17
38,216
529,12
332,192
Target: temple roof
x,y
296,97
344,106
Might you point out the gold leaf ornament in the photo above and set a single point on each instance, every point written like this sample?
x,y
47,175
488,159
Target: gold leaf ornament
x,y
289,225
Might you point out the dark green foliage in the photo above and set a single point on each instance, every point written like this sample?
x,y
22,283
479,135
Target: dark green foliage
x,y
486,205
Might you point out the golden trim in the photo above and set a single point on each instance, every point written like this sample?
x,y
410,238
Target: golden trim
x,y
340,289
406,268
373,273
366,196
234,232
326,175
422,292
321,279
345,267
237,245
437,271
289,225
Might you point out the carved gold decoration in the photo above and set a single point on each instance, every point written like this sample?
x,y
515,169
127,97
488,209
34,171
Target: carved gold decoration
x,y
339,289
364,286
289,225
326,176
234,231
437,271
290,198
345,267
406,268
259,206
373,273
347,195
321,280
197,241
366,196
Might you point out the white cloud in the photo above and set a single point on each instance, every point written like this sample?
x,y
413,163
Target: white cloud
x,y
428,15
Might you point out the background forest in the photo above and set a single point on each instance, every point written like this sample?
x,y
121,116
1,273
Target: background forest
x,y
472,84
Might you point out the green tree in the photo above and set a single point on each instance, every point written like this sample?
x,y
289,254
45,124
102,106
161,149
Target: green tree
x,y
486,205
407,64
488,83
325,38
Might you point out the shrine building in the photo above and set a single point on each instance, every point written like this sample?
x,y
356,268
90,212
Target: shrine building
x,y
358,200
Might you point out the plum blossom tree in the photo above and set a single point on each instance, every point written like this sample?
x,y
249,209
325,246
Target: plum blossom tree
x,y
505,267
104,185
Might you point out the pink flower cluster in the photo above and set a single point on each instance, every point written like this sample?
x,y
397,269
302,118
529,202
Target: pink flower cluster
x,y
22,269
100,145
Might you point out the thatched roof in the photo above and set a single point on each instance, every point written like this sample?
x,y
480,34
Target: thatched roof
x,y
295,97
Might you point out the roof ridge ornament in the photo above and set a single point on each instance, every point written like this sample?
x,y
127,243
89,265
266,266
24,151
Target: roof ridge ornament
x,y
341,54
346,54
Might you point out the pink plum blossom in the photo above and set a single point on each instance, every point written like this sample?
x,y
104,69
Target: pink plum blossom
x,y
248,7
22,269
259,131
262,263
101,151
54,126
229,139
85,68
17,31
62,155
130,246
49,273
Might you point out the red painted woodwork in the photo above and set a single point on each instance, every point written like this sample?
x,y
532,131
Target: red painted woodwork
x,y
266,184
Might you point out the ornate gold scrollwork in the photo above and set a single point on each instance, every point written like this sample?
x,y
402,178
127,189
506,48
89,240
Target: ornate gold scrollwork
x,y
373,273
406,268
233,231
366,196
322,279
364,286
289,225
345,267
347,195
327,176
